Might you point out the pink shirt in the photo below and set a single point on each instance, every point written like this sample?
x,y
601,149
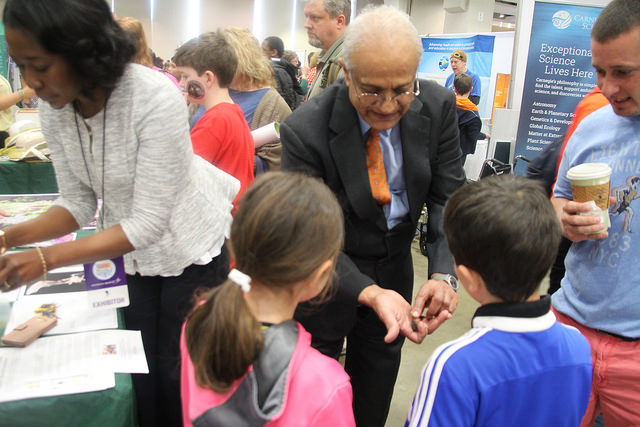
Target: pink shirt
x,y
318,391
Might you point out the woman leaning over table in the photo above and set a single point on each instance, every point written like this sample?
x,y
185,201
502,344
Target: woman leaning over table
x,y
118,132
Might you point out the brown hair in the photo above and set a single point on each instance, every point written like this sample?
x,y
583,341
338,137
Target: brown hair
x,y
504,228
209,52
135,32
617,18
287,225
463,83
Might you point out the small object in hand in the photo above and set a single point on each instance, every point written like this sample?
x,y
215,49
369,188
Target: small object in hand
x,y
26,333
414,325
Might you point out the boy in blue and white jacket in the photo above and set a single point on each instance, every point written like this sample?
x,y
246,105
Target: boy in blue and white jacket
x,y
517,366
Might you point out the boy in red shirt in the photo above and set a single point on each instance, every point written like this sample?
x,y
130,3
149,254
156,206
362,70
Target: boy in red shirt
x,y
207,65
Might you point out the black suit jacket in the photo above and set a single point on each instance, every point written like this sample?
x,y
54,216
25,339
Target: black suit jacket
x,y
323,138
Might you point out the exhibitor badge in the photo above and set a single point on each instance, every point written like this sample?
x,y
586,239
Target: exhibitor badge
x,y
106,283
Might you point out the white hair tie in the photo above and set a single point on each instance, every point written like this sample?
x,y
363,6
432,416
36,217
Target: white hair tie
x,y
241,279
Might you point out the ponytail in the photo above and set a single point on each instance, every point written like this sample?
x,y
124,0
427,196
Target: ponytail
x,y
223,338
286,227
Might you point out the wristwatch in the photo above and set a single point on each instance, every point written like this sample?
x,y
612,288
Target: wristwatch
x,y
449,278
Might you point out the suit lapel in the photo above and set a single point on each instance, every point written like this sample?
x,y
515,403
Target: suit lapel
x,y
414,131
348,152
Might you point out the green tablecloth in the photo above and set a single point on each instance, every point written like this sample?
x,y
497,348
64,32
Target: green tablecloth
x,y
113,407
27,178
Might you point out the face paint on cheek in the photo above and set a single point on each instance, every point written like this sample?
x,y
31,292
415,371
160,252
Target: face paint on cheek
x,y
195,89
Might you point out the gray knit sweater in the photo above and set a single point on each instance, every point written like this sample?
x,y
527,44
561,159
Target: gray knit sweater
x,y
173,206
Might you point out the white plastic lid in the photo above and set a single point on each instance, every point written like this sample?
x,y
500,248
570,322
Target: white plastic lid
x,y
589,171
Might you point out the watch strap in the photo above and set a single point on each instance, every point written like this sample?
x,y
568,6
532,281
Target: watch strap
x,y
449,278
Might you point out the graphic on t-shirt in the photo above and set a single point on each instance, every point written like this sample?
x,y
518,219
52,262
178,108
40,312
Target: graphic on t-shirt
x,y
625,194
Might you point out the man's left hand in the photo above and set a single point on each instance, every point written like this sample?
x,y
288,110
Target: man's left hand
x,y
440,301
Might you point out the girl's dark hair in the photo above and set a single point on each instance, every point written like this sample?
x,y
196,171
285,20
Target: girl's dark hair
x,y
286,226
82,31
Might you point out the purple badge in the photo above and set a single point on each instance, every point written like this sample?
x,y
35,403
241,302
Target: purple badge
x,y
106,283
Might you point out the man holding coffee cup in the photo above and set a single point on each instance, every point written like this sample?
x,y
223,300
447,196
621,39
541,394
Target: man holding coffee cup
x,y
600,293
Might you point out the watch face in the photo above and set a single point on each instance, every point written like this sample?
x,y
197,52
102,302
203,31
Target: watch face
x,y
450,279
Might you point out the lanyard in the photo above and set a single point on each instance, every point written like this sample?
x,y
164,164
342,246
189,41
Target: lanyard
x,y
84,158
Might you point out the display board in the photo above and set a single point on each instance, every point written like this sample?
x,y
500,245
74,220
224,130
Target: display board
x,y
558,73
479,49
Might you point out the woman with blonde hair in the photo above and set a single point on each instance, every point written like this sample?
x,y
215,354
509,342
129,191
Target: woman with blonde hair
x,y
253,90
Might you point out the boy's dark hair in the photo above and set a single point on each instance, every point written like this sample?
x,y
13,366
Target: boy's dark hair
x,y
209,51
618,17
463,83
275,43
504,228
83,32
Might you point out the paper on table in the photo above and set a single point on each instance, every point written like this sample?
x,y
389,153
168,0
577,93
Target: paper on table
x,y
265,134
72,310
57,386
72,363
11,296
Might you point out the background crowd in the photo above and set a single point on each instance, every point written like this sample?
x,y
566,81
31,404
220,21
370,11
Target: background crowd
x,y
249,267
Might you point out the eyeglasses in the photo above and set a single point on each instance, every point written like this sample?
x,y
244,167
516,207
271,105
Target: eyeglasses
x,y
372,98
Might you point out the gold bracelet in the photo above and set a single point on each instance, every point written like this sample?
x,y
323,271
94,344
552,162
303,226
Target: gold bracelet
x,y
21,93
3,238
44,263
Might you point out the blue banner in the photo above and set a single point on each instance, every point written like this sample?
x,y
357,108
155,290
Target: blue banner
x,y
559,73
479,50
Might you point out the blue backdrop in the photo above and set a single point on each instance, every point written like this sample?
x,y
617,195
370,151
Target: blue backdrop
x,y
558,74
479,50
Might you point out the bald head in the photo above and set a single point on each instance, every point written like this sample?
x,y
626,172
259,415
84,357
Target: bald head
x,y
384,28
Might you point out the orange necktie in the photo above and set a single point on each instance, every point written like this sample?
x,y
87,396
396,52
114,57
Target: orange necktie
x,y
375,167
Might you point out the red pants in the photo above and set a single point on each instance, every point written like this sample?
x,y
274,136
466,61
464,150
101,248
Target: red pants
x,y
616,377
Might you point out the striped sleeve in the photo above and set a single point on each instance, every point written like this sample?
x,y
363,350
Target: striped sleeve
x,y
444,397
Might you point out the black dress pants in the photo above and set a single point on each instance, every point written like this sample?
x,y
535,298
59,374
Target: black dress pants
x,y
371,363
158,308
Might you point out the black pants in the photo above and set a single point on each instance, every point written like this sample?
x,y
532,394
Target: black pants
x,y
158,307
557,269
371,363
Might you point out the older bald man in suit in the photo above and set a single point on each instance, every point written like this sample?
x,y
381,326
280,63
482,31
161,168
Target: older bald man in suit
x,y
386,143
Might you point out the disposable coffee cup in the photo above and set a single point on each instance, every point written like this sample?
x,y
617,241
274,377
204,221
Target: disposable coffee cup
x,y
592,182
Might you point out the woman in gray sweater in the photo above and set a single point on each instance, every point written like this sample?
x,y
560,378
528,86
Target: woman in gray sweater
x,y
118,132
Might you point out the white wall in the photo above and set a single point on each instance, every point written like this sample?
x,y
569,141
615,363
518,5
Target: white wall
x,y
428,16
476,19
174,22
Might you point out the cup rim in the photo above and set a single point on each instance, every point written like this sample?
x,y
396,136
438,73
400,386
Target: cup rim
x,y
587,171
